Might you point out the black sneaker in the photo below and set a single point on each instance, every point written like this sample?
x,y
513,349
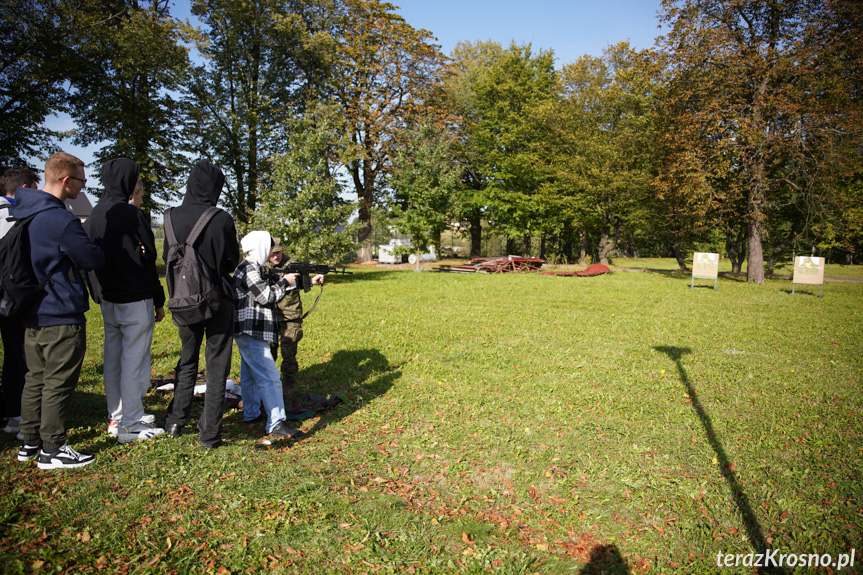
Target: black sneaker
x,y
282,430
28,451
64,458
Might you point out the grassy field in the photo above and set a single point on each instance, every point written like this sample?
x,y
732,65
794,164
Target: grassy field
x,y
782,268
491,424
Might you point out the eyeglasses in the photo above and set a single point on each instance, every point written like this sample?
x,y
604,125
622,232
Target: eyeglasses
x,y
82,180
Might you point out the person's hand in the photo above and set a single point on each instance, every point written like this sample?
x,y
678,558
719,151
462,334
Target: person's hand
x,y
318,280
292,278
160,314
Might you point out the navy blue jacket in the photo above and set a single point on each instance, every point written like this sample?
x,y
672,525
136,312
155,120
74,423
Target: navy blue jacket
x,y
123,232
56,235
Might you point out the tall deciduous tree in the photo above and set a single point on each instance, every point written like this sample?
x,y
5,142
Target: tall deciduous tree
x,y
35,49
506,131
765,100
469,62
601,140
263,60
123,89
384,72
304,204
424,179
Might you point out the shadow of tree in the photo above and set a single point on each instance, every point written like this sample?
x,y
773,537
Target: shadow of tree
x,y
606,560
726,467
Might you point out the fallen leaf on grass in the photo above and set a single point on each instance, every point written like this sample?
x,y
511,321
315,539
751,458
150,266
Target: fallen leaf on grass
x,y
466,538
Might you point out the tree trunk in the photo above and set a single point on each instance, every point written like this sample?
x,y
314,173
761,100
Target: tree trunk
x,y
510,246
678,253
755,261
542,247
527,246
475,237
735,250
566,242
364,236
777,251
606,245
582,253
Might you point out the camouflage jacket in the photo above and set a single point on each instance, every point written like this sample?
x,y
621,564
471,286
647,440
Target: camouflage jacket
x,y
290,307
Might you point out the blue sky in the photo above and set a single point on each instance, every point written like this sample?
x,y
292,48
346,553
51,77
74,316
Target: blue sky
x,y
571,28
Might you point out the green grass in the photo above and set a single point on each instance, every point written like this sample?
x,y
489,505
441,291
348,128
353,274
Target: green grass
x,y
491,423
782,268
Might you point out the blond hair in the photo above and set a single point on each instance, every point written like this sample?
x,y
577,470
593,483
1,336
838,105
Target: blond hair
x,y
61,165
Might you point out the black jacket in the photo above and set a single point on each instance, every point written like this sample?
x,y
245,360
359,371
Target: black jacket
x,y
123,232
217,247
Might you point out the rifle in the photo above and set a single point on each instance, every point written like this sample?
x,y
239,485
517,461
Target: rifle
x,y
307,270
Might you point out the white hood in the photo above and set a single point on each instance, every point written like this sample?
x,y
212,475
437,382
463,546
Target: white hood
x,y
256,247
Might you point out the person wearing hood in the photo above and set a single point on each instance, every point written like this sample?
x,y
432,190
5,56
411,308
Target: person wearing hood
x,y
218,250
256,330
11,328
132,300
55,336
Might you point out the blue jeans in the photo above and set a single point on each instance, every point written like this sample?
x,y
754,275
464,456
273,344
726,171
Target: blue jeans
x,y
260,380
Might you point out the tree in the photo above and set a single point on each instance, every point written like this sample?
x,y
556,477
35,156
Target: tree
x,y
35,37
263,60
468,63
765,100
424,178
129,68
602,143
504,132
304,204
384,71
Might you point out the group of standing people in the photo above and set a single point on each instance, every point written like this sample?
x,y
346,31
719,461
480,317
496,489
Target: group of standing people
x,y
116,249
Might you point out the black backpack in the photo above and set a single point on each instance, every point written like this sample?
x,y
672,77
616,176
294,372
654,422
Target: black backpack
x,y
19,288
194,294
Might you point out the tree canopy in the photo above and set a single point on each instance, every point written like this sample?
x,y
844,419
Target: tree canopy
x,y
741,131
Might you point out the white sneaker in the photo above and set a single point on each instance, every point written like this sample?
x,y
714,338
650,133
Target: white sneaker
x,y
13,425
139,431
63,458
113,425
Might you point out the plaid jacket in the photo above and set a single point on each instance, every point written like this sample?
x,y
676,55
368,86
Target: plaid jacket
x,y
256,299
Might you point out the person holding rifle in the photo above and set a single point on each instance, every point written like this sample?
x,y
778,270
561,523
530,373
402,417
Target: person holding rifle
x,y
289,314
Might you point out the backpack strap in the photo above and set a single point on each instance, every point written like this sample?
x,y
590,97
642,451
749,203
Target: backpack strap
x,y
169,228
202,222
47,277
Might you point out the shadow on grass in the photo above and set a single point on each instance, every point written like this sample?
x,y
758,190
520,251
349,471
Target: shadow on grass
x,y
798,291
358,376
753,529
606,559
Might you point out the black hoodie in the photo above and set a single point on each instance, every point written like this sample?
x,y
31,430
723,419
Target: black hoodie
x,y
123,232
217,247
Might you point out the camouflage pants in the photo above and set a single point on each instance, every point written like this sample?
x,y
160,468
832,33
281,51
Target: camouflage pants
x,y
290,334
